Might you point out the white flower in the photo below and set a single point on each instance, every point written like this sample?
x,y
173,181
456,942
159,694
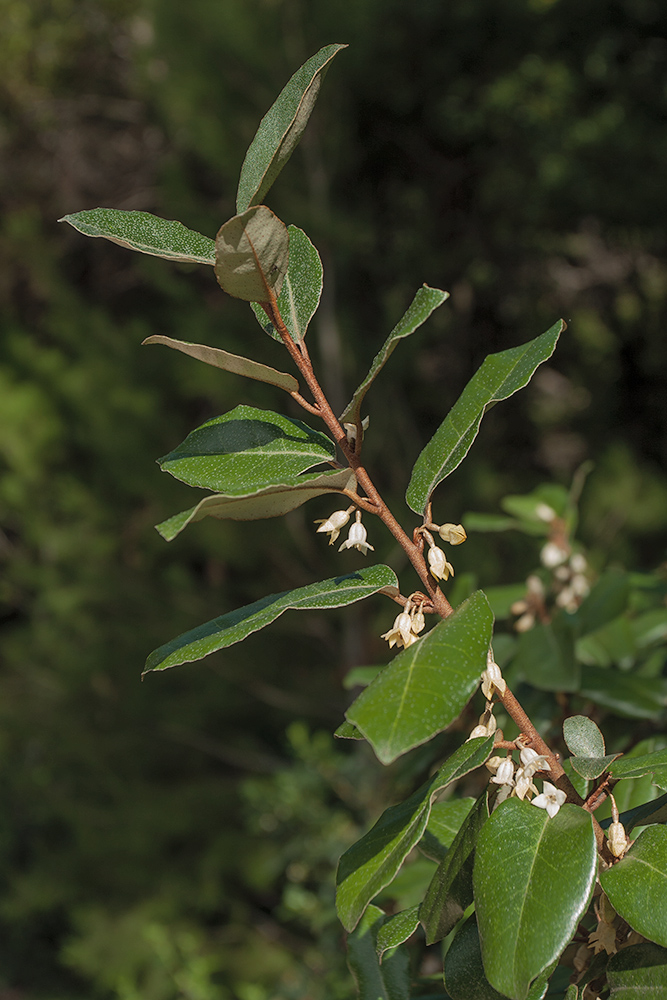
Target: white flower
x,y
617,839
455,534
524,784
356,538
551,798
400,634
533,762
545,512
334,523
492,680
418,621
505,773
438,565
552,555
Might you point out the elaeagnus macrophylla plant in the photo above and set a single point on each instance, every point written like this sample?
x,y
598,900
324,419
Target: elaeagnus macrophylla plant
x,y
532,895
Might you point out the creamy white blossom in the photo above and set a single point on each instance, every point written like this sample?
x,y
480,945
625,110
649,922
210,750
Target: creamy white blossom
x,y
533,762
552,555
400,634
356,538
617,839
505,773
550,798
492,681
438,565
524,784
455,534
332,524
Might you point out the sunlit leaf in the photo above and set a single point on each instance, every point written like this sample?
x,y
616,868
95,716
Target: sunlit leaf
x,y
638,973
246,450
426,686
145,233
274,501
450,892
237,625
397,929
372,863
424,303
387,981
228,362
499,377
533,878
301,290
280,129
637,885
251,255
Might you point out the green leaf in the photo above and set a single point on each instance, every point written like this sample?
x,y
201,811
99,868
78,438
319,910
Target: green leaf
x,y
397,929
145,233
450,892
654,811
502,598
637,885
251,255
280,129
464,971
638,973
274,501
625,694
246,450
426,686
476,521
387,981
229,362
545,657
499,377
444,823
237,625
607,600
586,742
346,731
372,863
424,303
635,767
591,768
361,676
301,290
533,878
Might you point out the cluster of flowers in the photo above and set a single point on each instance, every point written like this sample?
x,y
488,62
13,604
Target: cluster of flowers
x,y
407,625
356,537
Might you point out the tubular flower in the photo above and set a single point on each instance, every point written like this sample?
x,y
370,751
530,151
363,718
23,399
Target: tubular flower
x,y
334,523
438,565
550,799
505,773
533,762
356,538
455,534
400,634
524,784
492,681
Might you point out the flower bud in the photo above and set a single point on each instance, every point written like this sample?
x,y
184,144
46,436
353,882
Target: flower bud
x,y
453,533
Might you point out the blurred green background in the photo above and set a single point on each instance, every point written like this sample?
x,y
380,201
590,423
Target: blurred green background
x,y
177,837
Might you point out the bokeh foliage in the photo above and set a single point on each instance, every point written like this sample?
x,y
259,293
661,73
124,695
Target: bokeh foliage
x,y
168,838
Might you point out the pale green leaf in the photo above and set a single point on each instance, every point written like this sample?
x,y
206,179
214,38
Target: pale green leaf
x,y
426,686
637,885
246,450
586,742
280,129
229,362
450,892
145,233
638,973
424,303
239,624
397,929
301,290
533,878
444,823
274,501
251,255
500,376
387,981
372,863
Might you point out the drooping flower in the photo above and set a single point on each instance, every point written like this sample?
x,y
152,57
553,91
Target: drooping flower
x,y
524,784
356,538
492,680
333,524
550,798
400,634
533,762
438,565
505,773
455,534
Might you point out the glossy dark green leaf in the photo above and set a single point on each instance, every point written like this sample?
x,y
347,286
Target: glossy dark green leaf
x,y
638,973
637,885
281,128
634,767
607,600
533,877
228,362
372,863
545,657
444,823
426,686
145,233
654,811
246,450
499,377
237,625
397,929
464,971
389,980
586,742
274,501
624,693
301,290
251,255
450,892
424,303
